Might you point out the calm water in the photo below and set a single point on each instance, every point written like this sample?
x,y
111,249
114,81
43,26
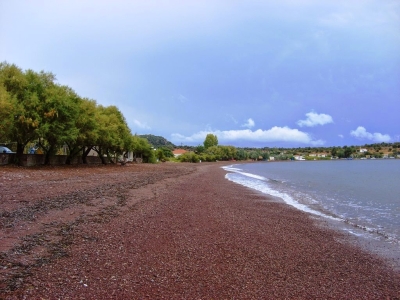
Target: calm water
x,y
362,193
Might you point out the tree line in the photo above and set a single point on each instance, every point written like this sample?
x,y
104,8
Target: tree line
x,y
36,111
211,151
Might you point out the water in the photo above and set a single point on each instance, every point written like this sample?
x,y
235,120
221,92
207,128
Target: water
x,y
362,194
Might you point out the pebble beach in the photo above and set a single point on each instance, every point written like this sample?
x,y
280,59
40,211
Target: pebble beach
x,y
174,231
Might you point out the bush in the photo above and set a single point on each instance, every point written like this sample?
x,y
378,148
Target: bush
x,y
208,157
189,157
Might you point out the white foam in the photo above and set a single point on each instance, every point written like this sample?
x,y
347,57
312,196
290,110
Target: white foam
x,y
239,171
231,168
260,185
253,176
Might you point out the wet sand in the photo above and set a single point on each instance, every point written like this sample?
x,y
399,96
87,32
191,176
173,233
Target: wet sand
x,y
192,234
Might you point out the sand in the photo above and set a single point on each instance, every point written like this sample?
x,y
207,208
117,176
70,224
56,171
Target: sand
x,y
170,231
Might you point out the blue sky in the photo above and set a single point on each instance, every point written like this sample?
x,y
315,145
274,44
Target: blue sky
x,y
289,73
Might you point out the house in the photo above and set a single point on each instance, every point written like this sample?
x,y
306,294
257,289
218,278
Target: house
x,y
363,150
271,158
178,152
299,157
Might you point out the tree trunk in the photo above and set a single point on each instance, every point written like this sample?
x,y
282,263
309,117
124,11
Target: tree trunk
x,y
49,153
73,152
85,153
20,153
47,157
100,154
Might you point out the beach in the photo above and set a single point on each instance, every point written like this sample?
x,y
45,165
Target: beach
x,y
170,231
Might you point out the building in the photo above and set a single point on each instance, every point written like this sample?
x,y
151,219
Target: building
x,y
178,152
299,157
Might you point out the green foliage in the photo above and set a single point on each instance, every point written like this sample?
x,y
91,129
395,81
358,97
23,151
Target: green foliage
x,y
141,148
58,111
189,157
241,154
208,157
334,151
36,110
87,127
214,151
348,151
7,106
210,141
158,141
199,149
24,93
164,153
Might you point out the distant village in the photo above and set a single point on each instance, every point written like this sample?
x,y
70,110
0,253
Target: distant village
x,y
366,151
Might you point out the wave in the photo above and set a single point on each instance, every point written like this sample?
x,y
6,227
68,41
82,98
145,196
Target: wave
x,y
266,186
260,183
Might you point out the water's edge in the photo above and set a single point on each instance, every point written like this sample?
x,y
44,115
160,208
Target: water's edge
x,y
368,239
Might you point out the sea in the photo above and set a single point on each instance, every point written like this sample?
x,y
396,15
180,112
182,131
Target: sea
x,y
363,196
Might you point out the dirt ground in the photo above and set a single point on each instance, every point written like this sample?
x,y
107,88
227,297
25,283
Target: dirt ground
x,y
169,231
45,210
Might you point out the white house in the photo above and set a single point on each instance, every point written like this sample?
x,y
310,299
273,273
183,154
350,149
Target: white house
x,y
299,157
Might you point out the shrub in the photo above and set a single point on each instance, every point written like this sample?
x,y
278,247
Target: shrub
x,y
189,157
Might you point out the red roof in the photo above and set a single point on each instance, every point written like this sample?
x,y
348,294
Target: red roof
x,y
179,151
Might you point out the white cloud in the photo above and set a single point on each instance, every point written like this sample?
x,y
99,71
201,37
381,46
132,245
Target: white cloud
x,y
362,133
314,119
341,135
275,134
249,124
141,125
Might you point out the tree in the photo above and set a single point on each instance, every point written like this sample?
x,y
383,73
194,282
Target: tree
x,y
7,106
143,149
164,153
189,157
87,127
334,152
59,110
241,154
227,152
114,136
347,151
214,151
199,149
211,140
26,118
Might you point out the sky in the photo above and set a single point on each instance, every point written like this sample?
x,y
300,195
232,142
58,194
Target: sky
x,y
288,73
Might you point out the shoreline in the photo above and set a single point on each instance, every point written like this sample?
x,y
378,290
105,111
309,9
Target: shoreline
x,y
371,241
191,233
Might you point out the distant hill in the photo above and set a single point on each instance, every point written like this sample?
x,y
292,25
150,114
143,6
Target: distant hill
x,y
158,141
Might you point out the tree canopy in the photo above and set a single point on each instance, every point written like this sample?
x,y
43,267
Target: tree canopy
x,y
211,140
34,108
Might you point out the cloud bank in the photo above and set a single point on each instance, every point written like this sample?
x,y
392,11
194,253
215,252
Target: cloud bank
x,y
275,134
362,133
314,119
